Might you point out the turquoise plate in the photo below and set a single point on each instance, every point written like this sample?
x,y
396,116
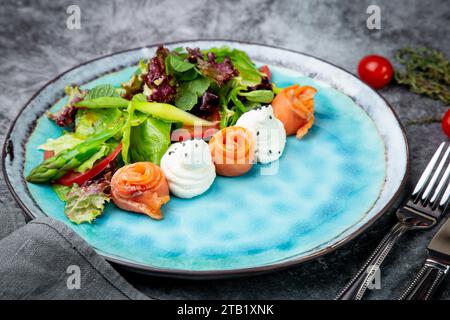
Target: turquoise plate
x,y
326,188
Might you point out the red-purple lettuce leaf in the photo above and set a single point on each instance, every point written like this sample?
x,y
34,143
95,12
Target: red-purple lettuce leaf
x,y
66,115
157,81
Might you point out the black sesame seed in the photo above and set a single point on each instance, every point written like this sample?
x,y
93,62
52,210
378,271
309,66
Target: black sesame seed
x,y
279,152
270,117
270,151
186,155
170,152
183,144
257,133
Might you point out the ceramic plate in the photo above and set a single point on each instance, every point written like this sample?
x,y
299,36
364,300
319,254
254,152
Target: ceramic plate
x,y
326,189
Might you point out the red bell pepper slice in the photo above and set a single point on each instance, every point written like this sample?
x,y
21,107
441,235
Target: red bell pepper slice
x,y
79,178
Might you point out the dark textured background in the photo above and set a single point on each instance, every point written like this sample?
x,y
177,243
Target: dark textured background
x,y
35,46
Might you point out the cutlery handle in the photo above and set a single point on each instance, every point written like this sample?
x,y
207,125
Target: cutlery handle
x,y
426,282
355,289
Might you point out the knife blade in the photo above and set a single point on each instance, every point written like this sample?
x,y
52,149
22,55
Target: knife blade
x,y
435,268
439,247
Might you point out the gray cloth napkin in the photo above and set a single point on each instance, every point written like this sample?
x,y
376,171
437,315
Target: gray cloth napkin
x,y
47,260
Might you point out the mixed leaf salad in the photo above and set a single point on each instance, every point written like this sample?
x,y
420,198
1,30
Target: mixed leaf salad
x,y
108,127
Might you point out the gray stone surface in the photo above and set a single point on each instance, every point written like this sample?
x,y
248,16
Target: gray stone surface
x,y
35,46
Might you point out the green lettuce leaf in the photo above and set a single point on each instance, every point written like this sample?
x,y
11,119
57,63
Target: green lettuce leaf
x,y
150,140
84,204
92,121
138,118
61,191
146,141
66,141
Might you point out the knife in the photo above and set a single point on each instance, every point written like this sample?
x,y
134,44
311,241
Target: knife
x,y
435,268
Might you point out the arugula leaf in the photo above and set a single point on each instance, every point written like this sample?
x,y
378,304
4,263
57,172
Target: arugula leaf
x,y
239,105
84,204
234,117
103,102
92,121
224,92
150,140
232,95
178,64
189,92
103,90
66,141
264,96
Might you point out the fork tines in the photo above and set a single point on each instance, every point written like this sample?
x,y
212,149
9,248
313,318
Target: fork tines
x,y
433,188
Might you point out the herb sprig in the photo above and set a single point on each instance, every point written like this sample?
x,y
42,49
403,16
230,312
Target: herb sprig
x,y
426,71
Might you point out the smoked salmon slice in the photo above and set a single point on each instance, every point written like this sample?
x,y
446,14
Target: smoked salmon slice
x,y
233,151
294,106
140,187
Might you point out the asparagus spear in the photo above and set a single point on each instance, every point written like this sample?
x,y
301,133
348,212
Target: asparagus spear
x,y
55,167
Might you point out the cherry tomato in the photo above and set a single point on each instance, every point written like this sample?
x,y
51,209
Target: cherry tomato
x,y
265,69
446,123
79,178
375,70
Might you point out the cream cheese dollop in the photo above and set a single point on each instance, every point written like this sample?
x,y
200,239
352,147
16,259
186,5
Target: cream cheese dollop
x,y
188,168
268,131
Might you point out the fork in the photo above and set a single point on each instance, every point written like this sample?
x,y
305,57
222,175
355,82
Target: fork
x,y
427,204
